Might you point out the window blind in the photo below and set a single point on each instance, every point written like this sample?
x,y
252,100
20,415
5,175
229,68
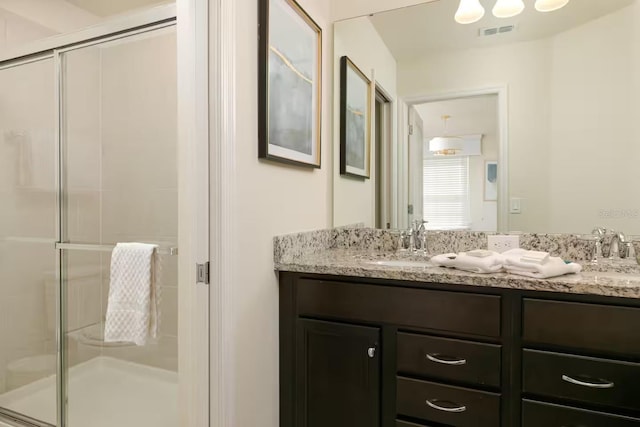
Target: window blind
x,y
446,192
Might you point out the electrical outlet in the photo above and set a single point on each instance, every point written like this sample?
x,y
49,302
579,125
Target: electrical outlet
x,y
501,243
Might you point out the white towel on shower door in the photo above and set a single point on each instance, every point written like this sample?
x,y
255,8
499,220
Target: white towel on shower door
x,y
132,307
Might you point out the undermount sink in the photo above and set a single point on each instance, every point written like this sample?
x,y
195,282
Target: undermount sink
x,y
401,263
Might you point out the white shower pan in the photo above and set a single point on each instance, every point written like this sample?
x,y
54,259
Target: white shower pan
x,y
104,392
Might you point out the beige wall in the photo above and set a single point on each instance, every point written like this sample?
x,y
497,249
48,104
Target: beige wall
x,y
271,199
354,198
15,30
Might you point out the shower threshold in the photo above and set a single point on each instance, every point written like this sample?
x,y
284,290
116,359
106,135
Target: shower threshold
x,y
103,392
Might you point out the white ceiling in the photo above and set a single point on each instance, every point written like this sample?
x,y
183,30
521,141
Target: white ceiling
x,y
468,116
417,30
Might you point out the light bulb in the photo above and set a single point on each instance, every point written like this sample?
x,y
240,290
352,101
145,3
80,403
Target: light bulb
x,y
469,11
507,8
550,5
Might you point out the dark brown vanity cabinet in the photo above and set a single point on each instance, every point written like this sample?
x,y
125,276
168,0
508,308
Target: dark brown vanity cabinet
x,y
580,363
338,375
380,353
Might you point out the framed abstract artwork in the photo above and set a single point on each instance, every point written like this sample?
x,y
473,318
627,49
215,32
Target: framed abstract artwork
x,y
355,120
290,84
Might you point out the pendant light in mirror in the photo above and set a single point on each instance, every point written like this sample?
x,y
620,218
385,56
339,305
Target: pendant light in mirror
x,y
550,5
507,8
469,11
446,145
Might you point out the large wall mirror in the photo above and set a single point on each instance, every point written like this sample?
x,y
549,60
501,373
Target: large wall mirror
x,y
547,105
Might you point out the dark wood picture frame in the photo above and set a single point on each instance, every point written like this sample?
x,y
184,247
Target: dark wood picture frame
x,y
289,124
348,140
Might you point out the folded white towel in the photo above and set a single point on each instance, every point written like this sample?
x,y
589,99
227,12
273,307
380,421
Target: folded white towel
x,y
462,261
132,307
535,257
554,266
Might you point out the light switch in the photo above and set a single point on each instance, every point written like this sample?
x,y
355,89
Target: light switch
x,y
514,205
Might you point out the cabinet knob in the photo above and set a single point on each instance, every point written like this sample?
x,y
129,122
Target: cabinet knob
x,y
371,352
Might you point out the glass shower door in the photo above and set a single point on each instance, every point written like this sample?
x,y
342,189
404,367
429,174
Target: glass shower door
x,y
119,157
28,232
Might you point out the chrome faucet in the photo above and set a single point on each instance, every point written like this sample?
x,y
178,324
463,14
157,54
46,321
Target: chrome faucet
x,y
619,245
420,235
414,238
613,244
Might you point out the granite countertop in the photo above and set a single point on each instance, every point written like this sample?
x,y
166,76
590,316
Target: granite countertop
x,y
608,278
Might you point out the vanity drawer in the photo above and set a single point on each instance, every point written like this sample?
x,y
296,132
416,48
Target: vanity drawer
x,y
460,312
453,406
449,359
603,328
537,414
582,379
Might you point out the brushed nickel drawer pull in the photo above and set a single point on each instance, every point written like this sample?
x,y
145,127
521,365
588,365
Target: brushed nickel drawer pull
x,y
435,358
432,404
604,384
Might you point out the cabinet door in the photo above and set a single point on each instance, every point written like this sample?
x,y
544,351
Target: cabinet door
x,y
338,375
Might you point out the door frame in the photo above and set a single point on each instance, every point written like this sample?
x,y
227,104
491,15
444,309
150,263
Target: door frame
x,y
502,92
193,212
221,117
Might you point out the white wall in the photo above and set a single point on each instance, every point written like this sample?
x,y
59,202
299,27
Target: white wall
x,y
594,125
271,199
354,198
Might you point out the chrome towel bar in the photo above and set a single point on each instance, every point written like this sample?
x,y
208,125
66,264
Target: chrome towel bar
x,y
108,248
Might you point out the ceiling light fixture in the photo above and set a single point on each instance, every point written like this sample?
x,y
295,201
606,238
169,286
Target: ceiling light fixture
x,y
550,5
507,8
446,145
469,11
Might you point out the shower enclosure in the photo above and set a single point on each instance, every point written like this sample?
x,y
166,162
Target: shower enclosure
x,y
88,158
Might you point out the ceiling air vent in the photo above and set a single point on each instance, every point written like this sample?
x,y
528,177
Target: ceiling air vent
x,y
485,32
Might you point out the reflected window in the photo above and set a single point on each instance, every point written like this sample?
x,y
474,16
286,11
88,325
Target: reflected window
x,y
446,193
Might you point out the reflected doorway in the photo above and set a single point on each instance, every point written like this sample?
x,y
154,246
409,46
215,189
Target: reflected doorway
x,y
455,189
383,126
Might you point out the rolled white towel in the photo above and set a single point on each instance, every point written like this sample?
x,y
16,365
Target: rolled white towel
x,y
462,261
444,260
